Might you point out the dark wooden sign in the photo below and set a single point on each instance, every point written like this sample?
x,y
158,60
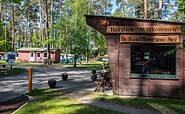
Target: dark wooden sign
x,y
105,22
149,39
144,29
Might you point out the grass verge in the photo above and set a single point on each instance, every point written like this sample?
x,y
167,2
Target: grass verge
x,y
50,101
87,66
84,66
10,72
17,63
164,105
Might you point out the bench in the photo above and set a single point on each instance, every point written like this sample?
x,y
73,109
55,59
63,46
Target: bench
x,y
105,65
104,83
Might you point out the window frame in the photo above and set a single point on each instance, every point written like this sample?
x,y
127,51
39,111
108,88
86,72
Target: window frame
x,y
44,54
153,76
31,53
39,54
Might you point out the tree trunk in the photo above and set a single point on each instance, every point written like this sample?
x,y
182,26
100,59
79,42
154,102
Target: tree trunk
x,y
18,35
13,29
5,35
89,8
66,35
60,7
0,10
41,26
123,10
145,9
75,58
52,45
160,9
47,34
88,12
26,39
3,11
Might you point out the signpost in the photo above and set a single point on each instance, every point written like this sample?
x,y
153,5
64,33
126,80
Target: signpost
x,y
11,58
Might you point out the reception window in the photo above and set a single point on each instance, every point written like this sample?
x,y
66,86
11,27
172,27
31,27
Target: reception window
x,y
153,61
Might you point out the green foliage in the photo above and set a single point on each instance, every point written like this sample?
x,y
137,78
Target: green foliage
x,y
132,8
70,31
170,52
13,1
35,39
135,9
5,43
181,6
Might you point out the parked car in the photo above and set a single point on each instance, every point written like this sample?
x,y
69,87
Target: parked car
x,y
71,60
105,59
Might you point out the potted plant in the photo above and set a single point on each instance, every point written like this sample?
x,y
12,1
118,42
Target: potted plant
x,y
93,77
65,76
93,71
52,83
95,51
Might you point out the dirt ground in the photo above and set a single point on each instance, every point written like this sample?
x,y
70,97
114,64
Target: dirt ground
x,y
10,106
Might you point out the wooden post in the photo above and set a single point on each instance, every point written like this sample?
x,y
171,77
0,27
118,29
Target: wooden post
x,y
148,87
29,80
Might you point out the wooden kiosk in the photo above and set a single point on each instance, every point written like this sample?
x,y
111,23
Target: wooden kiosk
x,y
146,56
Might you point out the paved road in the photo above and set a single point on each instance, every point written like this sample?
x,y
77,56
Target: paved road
x,y
13,86
78,81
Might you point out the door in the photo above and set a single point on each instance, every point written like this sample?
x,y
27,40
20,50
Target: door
x,y
31,57
38,57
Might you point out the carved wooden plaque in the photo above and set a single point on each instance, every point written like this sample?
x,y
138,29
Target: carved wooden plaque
x,y
149,39
144,29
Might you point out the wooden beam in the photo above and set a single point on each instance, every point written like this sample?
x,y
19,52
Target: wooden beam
x,y
182,68
117,66
148,87
149,39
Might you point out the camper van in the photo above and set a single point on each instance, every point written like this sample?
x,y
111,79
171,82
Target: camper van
x,y
69,58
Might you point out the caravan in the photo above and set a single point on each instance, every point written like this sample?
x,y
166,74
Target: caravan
x,y
68,58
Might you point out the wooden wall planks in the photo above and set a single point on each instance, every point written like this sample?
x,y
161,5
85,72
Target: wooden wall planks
x,y
119,58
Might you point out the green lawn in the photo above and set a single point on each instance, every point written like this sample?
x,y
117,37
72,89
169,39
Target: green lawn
x,y
50,101
84,66
87,66
164,105
10,72
23,63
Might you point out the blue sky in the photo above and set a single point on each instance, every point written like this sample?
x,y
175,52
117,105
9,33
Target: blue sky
x,y
114,5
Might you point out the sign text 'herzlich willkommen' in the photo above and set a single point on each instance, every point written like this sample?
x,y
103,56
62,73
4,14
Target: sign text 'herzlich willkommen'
x,y
144,29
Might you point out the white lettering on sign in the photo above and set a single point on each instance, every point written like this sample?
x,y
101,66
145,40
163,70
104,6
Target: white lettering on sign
x,y
149,39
